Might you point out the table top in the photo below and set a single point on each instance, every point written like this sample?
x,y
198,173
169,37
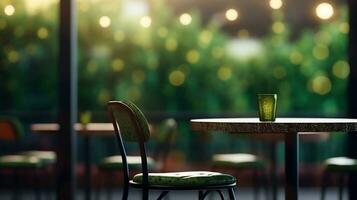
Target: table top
x,y
281,125
100,129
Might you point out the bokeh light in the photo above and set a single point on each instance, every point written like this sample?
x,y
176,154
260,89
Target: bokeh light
x,y
320,52
9,10
278,27
104,21
231,14
145,21
13,56
117,65
321,85
205,37
42,33
324,11
171,44
296,57
344,27
177,78
193,56
224,73
275,4
185,19
341,69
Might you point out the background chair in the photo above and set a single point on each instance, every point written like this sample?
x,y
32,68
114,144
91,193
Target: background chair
x,y
341,166
131,125
243,161
11,131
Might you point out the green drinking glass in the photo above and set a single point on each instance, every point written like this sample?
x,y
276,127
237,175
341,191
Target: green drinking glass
x,y
267,107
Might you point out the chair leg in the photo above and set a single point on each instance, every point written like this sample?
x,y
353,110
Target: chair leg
x,y
37,184
162,195
231,194
325,178
15,186
256,186
200,195
340,186
125,191
145,194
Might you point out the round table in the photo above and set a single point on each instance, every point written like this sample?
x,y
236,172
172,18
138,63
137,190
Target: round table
x,y
290,127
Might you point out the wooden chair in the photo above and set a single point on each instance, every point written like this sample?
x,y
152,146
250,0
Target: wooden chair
x,y
130,125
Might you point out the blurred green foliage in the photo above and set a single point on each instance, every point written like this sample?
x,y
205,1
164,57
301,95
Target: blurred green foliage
x,y
163,65
169,66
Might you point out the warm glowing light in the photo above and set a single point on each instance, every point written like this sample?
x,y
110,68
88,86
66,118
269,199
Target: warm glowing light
x,y
42,33
104,21
224,73
341,69
193,56
145,21
275,4
13,56
231,14
324,11
278,27
344,27
35,6
171,44
321,85
296,57
117,65
320,52
177,78
9,10
185,19
205,37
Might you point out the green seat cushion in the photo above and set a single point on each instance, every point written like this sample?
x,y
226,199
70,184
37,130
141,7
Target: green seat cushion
x,y
237,160
115,162
20,161
341,164
47,157
189,179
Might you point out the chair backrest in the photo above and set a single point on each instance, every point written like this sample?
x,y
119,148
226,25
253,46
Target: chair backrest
x,y
130,125
10,129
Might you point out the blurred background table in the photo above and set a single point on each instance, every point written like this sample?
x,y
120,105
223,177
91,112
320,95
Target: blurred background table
x,y
87,130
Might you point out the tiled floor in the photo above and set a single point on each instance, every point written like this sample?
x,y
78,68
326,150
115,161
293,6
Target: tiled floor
x,y
242,194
